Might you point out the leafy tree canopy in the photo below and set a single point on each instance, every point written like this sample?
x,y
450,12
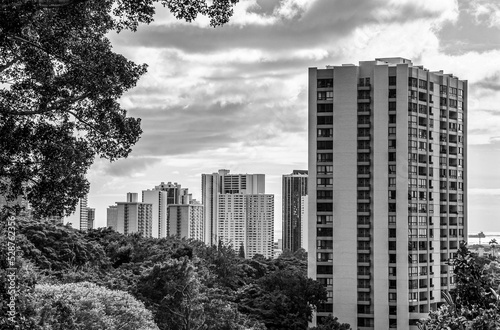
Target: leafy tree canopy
x,y
60,83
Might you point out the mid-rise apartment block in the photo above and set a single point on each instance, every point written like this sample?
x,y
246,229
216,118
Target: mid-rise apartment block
x,y
134,216
161,197
238,212
90,218
186,220
294,187
387,189
212,185
112,217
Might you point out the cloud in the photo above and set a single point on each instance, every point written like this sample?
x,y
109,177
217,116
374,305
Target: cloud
x,y
477,28
129,167
491,83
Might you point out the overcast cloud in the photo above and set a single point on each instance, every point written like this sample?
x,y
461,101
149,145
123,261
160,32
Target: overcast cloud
x,y
236,96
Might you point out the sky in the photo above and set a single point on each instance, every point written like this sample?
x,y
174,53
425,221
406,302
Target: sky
x,y
235,97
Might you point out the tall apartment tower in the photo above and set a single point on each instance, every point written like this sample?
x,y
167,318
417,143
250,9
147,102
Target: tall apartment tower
x,y
80,216
186,220
212,185
134,216
161,197
90,218
387,189
294,187
112,217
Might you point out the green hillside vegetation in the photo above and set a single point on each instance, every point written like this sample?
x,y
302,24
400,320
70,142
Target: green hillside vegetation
x,y
69,279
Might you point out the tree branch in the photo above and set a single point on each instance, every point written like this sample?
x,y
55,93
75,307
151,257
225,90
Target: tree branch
x,y
7,65
42,3
44,109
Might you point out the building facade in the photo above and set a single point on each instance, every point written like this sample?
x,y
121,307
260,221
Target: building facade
x,y
134,216
294,187
186,220
387,189
112,217
90,218
212,185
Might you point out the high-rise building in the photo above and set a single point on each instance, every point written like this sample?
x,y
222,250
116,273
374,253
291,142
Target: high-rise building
x,y
294,187
387,189
112,217
304,217
186,220
212,185
79,218
90,218
259,225
161,197
134,216
238,212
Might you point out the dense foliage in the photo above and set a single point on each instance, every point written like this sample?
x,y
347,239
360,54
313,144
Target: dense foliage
x,y
60,83
474,303
184,284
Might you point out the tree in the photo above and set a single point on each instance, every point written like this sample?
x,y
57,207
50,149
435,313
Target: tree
x,y
60,83
493,244
481,235
474,303
241,252
331,323
87,306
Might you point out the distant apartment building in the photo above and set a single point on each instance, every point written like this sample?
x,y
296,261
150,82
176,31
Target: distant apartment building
x,y
134,216
79,218
238,212
304,217
112,217
387,189
186,220
212,185
90,218
294,187
161,197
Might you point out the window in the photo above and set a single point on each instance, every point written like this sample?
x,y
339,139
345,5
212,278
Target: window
x,y
324,194
325,157
392,131
392,296
325,132
392,156
412,220
392,144
392,106
392,219
412,82
324,219
392,169
324,182
392,119
325,120
392,182
422,233
324,145
392,80
325,169
422,84
325,83
443,89
325,95
325,107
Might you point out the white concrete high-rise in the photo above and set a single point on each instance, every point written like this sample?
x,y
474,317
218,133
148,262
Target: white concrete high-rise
x,y
186,220
212,185
112,217
134,216
387,189
238,212
158,200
